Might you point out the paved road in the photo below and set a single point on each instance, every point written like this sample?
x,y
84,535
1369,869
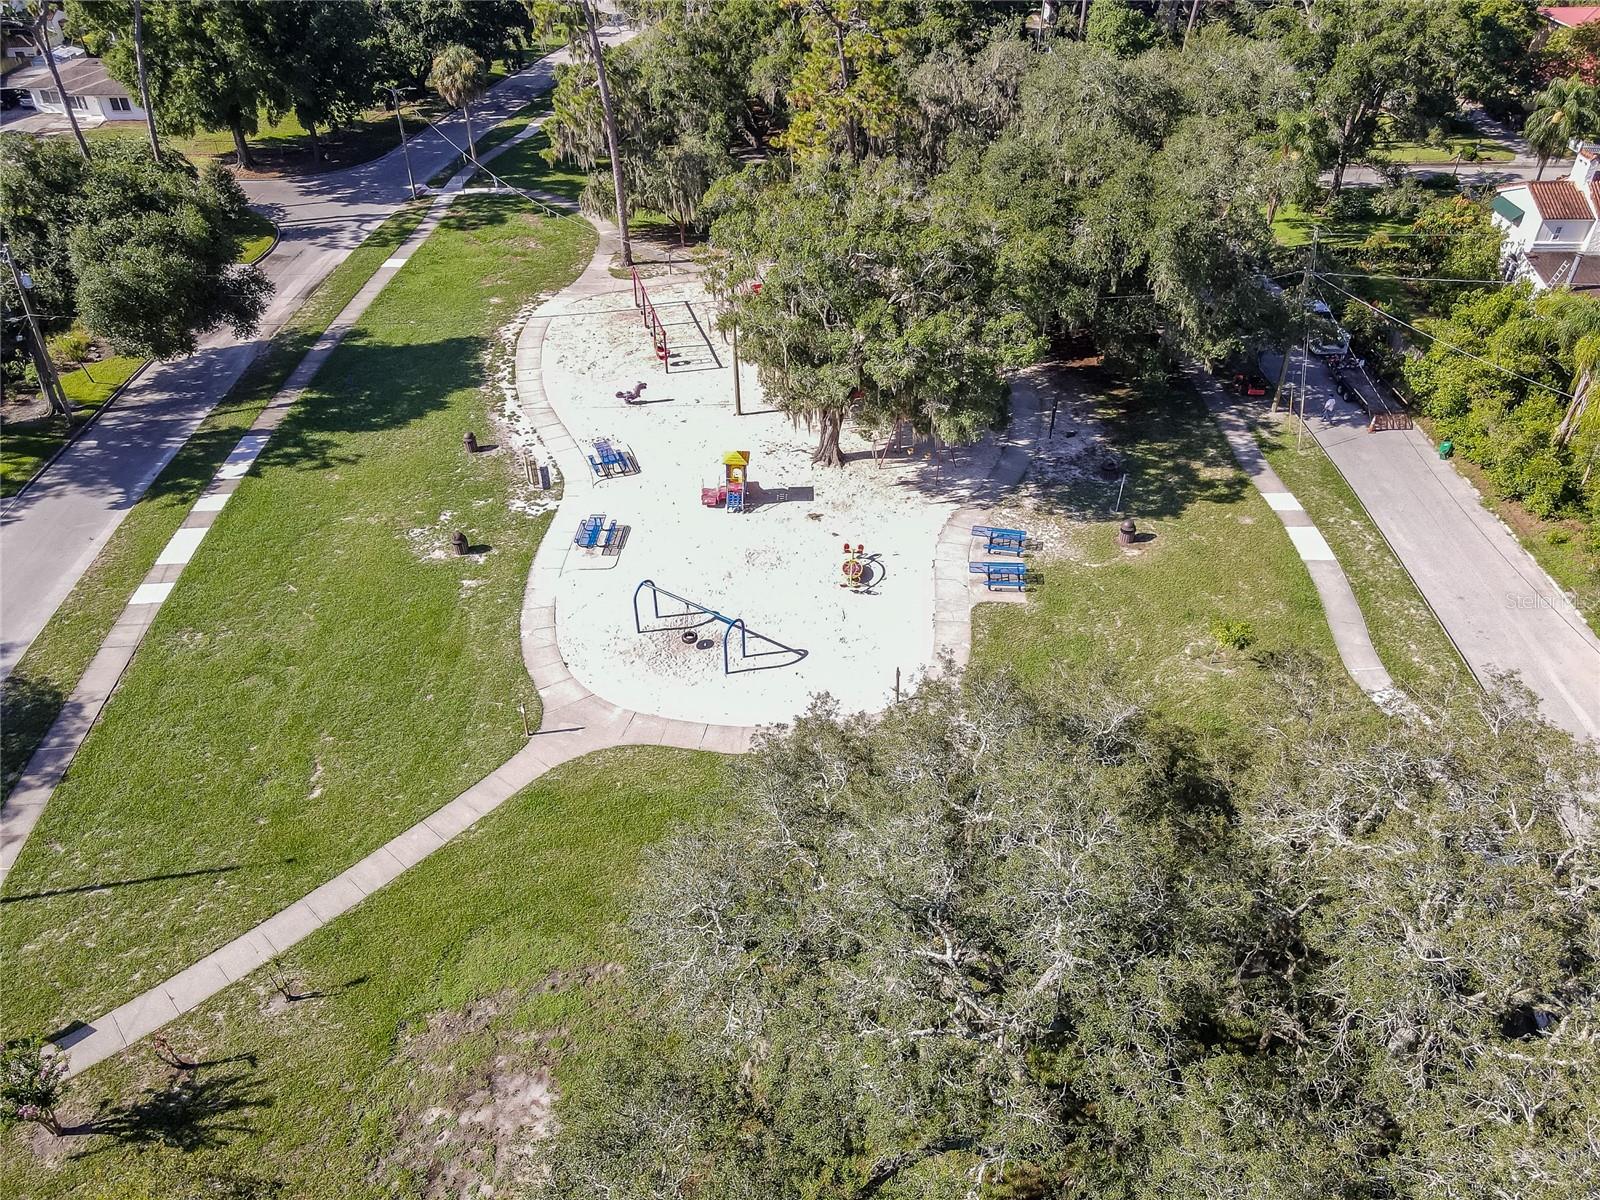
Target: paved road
x,y
1480,174
52,532
1502,610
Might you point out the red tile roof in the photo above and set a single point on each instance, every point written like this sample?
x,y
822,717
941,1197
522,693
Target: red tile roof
x,y
1573,14
1560,200
1582,275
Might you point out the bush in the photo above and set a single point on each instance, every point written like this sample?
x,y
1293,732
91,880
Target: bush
x,y
1233,635
71,348
31,1079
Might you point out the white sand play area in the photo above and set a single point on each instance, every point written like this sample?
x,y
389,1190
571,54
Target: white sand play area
x,y
777,566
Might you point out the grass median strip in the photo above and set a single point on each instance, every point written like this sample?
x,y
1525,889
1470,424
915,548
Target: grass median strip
x,y
326,672
34,692
1405,633
473,971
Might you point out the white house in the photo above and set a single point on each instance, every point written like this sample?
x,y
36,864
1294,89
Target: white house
x,y
95,97
1552,226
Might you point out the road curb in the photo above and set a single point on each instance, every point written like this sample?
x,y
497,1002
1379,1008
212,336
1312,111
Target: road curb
x,y
74,435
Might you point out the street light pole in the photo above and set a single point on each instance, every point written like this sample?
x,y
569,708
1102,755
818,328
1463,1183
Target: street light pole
x,y
405,149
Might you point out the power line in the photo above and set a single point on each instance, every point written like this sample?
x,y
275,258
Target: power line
x,y
1448,345
1412,278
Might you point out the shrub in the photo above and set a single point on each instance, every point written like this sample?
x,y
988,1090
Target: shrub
x,y
1233,635
31,1080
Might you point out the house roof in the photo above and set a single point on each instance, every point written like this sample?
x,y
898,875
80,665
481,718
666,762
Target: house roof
x,y
1572,15
82,76
1504,206
1559,200
1558,269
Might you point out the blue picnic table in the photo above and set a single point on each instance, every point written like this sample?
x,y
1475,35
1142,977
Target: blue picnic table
x,y
589,531
1001,575
607,460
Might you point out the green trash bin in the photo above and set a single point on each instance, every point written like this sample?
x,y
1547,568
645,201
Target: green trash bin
x,y
1446,449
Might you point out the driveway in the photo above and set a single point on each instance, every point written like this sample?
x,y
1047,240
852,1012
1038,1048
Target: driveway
x,y
51,533
1503,612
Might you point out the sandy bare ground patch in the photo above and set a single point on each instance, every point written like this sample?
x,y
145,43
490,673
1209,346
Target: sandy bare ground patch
x,y
778,567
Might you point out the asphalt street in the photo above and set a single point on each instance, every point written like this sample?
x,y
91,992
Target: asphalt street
x,y
51,533
1498,605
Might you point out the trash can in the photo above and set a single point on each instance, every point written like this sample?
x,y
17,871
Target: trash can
x,y
1446,449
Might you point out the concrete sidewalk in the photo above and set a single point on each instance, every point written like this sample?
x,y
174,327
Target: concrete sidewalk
x,y
1496,603
51,533
1345,620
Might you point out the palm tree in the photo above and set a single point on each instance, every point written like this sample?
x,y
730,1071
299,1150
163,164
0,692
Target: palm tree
x,y
1293,146
458,76
144,83
1566,110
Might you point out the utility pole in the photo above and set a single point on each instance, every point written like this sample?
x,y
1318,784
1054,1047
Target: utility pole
x,y
41,358
405,149
1305,321
144,83
598,51
42,26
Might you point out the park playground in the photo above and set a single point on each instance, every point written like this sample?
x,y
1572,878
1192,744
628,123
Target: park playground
x,y
825,577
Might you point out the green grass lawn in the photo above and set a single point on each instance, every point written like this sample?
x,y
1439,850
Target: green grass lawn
x,y
1486,149
1218,553
466,973
445,993
1405,633
524,166
488,140
33,693
324,674
1292,226
259,234
25,448
284,147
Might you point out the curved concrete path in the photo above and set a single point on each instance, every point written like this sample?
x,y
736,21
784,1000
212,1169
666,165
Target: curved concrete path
x,y
574,721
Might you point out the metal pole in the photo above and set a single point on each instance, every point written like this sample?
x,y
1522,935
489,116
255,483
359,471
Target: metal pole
x,y
1305,320
48,379
405,148
738,406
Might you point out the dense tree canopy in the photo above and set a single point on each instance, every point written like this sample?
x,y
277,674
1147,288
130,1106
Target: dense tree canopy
x,y
877,294
1043,946
1519,405
141,253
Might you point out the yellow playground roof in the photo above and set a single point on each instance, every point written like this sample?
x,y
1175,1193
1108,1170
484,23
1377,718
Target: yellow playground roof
x,y
736,458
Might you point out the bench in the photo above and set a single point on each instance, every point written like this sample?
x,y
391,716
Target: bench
x,y
989,568
992,534
611,461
